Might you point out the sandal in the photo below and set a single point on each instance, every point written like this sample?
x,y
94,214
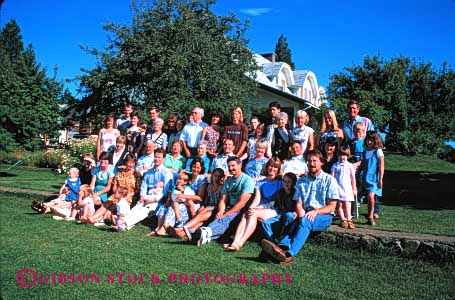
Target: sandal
x,y
351,225
344,224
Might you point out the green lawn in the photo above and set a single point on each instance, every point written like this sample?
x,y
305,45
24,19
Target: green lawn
x,y
408,219
320,272
418,163
31,178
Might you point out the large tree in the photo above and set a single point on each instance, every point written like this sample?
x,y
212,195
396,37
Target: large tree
x,y
283,52
28,98
411,102
174,54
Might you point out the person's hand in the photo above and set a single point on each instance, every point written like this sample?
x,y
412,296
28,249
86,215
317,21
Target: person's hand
x,y
380,183
252,211
311,215
355,192
294,215
219,215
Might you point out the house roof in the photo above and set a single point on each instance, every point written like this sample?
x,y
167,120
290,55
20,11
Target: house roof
x,y
300,77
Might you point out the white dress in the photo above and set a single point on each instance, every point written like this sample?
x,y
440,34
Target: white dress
x,y
342,173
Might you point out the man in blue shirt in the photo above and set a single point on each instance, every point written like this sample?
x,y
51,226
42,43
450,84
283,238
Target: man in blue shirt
x,y
235,193
353,108
316,195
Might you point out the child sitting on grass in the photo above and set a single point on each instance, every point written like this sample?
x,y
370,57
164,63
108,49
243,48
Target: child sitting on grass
x,y
85,205
123,208
62,206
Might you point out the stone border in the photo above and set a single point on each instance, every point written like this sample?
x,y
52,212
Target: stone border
x,y
417,246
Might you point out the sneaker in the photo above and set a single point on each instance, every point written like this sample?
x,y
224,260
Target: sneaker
x,y
203,239
178,224
273,250
99,223
70,219
58,218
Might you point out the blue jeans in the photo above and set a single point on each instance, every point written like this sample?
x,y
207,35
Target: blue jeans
x,y
295,240
284,218
219,226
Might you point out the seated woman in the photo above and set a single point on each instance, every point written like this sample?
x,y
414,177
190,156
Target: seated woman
x,y
262,206
255,167
102,179
127,178
175,161
211,198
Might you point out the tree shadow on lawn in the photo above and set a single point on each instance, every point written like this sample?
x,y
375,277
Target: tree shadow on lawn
x,y
419,190
6,174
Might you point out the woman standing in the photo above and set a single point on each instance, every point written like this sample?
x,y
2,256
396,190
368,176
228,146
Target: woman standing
x,y
135,134
329,129
237,132
303,133
212,134
280,139
107,137
157,135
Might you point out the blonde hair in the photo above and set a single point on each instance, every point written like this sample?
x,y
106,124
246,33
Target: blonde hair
x,y
359,126
331,113
261,143
302,113
239,110
184,176
86,189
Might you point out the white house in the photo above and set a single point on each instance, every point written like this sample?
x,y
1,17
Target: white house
x,y
294,90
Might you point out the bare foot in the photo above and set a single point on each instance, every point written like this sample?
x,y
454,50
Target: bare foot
x,y
233,247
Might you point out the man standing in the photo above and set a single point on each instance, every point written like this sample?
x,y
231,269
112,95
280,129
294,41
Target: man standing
x,y
192,132
235,193
124,123
154,188
353,108
316,195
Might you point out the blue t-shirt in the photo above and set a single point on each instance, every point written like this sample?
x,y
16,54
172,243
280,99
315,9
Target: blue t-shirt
x,y
233,188
268,189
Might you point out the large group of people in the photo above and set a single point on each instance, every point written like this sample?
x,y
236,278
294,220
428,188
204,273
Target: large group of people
x,y
219,181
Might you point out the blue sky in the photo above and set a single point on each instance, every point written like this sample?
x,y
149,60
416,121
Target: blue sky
x,y
324,35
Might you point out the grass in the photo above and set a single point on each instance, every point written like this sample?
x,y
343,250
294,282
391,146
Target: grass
x,y
417,163
409,219
320,272
31,178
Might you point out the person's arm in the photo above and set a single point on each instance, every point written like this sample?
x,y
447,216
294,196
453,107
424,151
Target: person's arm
x,y
353,182
221,206
316,142
62,189
92,183
195,198
98,145
381,171
114,185
106,189
340,134
299,209
329,208
310,145
204,132
241,149
244,198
